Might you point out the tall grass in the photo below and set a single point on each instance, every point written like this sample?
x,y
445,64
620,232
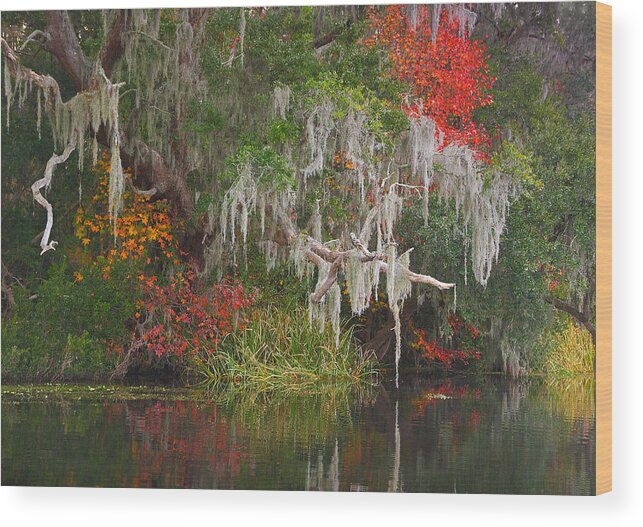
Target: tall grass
x,y
571,353
280,351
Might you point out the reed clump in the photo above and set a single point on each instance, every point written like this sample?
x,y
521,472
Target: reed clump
x,y
281,351
571,353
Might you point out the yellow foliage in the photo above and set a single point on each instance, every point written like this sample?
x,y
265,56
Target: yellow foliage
x,y
143,229
572,353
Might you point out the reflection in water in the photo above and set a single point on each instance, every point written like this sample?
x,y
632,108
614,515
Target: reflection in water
x,y
493,437
316,478
395,484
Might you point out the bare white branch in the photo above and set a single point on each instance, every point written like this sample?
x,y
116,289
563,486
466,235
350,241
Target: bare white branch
x,y
410,275
45,182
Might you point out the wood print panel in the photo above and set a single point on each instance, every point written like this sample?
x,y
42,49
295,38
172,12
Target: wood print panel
x,y
604,248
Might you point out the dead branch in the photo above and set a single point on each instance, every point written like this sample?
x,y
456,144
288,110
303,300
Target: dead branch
x,y
318,253
45,182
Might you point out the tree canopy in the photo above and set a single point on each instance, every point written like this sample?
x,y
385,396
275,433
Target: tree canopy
x,y
437,160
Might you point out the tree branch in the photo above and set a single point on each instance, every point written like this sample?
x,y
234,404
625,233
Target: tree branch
x,y
322,41
317,296
147,193
357,243
17,70
45,182
113,47
63,44
410,275
420,278
583,318
33,38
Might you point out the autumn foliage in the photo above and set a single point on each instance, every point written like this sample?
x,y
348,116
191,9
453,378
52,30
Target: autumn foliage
x,y
141,234
467,336
447,73
174,316
184,321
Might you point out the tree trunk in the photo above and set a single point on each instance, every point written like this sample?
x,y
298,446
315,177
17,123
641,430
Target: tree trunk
x,y
381,341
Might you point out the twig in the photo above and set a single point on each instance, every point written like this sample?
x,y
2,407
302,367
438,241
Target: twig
x,y
32,37
150,37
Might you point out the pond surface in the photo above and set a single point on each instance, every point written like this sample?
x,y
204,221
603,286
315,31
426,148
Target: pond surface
x,y
490,436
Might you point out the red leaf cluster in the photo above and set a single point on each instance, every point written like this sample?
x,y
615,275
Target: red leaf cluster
x,y
431,350
186,321
448,74
435,352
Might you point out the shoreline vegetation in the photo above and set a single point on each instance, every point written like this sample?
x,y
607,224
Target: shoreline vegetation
x,y
281,350
414,191
263,371
277,350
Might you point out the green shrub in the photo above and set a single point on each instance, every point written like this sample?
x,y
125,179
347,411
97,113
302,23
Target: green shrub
x,y
65,330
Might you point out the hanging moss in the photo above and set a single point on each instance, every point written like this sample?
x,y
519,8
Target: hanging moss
x,y
483,200
281,101
72,122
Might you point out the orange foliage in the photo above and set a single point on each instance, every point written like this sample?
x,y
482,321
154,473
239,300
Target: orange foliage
x,y
143,231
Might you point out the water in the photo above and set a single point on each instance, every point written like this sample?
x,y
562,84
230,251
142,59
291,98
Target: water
x,y
429,436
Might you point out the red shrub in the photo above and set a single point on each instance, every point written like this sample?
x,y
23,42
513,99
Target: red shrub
x,y
185,321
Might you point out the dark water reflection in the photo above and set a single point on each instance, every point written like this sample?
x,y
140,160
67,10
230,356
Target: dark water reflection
x,y
448,436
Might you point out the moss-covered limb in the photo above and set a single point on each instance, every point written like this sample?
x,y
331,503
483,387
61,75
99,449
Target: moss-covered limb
x,y
410,275
91,83
72,122
25,78
329,279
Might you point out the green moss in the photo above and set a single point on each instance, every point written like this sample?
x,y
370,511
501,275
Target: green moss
x,y
41,392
